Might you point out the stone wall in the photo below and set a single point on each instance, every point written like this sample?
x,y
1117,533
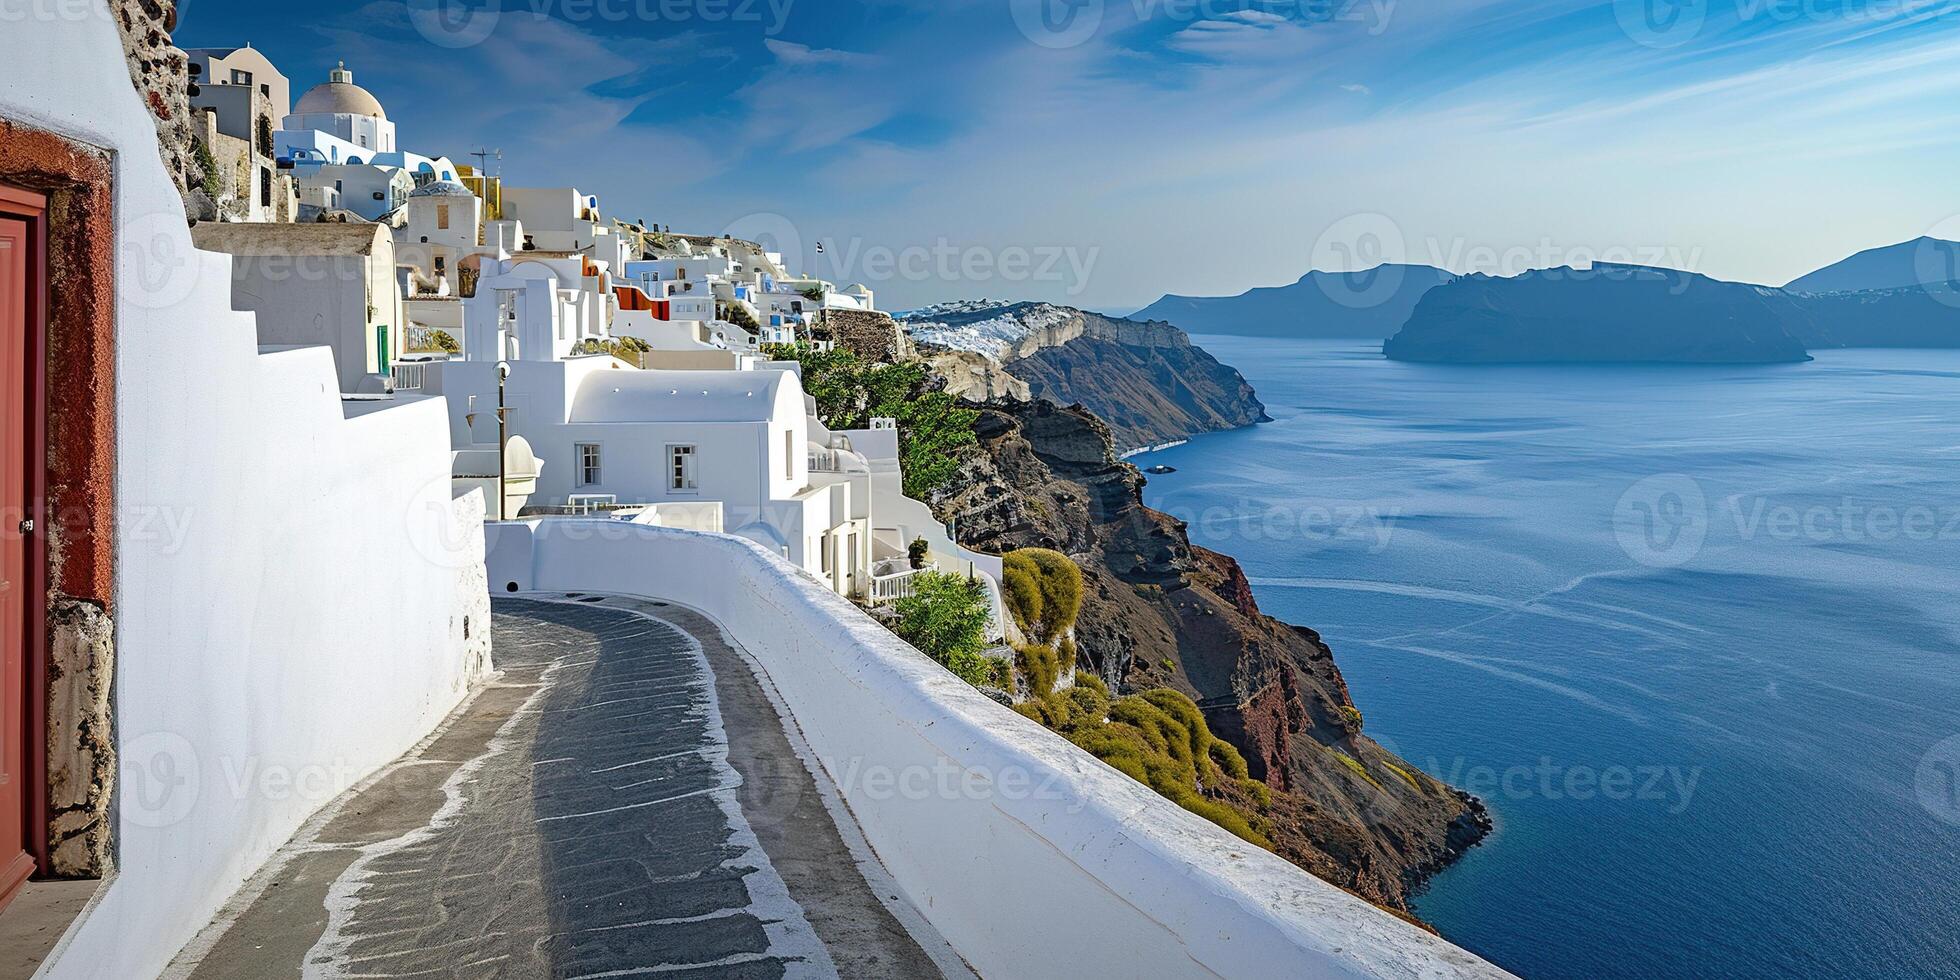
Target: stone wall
x,y
81,738
161,75
868,334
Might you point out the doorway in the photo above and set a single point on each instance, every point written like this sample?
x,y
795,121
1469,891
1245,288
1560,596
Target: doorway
x,y
22,258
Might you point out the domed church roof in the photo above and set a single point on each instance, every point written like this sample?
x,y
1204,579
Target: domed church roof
x,y
441,188
340,96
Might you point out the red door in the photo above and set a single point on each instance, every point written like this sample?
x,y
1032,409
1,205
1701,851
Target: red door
x,y
17,765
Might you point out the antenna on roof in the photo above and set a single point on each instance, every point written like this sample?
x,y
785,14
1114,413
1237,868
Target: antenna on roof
x,y
482,155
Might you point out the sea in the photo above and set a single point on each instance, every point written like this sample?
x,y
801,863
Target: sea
x,y
1692,633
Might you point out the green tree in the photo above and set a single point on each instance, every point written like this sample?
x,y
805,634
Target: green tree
x,y
945,617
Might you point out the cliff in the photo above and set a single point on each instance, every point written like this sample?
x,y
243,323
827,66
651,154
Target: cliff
x,y
1145,379
1369,305
1910,316
1160,612
1611,313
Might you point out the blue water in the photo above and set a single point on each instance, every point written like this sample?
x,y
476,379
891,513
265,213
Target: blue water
x,y
1691,632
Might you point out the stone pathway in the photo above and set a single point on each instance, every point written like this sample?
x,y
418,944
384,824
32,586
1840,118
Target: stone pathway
x,y
623,801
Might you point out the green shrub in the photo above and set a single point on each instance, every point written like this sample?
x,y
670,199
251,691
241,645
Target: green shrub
x,y
1160,739
917,552
976,669
935,434
445,342
945,616
1039,669
1043,589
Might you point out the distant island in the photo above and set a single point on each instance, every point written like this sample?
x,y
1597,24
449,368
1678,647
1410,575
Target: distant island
x,y
1903,295
1609,313
1368,305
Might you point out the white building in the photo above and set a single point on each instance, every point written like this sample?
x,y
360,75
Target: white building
x,y
738,444
442,228
537,306
327,284
561,219
240,98
340,145
247,579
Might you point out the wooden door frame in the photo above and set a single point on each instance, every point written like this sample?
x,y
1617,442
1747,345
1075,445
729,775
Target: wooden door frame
x,y
33,208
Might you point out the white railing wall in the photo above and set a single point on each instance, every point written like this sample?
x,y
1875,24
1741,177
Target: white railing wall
x,y
408,374
1031,857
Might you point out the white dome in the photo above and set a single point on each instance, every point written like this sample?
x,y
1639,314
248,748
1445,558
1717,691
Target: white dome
x,y
341,97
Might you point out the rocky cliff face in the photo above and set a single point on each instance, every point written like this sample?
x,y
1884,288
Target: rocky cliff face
x,y
1909,316
1160,612
1144,378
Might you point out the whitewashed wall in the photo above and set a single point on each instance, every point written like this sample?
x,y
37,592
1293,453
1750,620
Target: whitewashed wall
x,y
1031,857
290,584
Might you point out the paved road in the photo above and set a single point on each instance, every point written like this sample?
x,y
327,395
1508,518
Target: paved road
x,y
624,801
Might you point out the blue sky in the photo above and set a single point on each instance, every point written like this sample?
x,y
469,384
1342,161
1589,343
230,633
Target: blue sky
x,y
1105,152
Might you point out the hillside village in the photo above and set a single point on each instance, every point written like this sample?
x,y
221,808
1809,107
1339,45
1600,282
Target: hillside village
x,y
436,573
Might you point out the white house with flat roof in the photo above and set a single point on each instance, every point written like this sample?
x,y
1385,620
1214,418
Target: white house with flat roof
x,y
317,285
738,444
562,219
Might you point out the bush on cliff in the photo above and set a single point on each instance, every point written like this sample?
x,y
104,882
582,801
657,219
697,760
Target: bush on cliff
x,y
1043,590
934,432
1160,739
946,618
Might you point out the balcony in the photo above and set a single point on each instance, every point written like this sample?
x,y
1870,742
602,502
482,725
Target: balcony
x,y
895,579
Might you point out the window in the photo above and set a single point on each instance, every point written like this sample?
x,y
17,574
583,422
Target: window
x,y
680,468
789,455
442,216
823,549
588,464
241,77
265,188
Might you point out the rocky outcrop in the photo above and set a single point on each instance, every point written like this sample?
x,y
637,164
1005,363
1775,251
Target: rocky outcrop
x,y
1148,394
1609,313
869,334
1160,612
1144,378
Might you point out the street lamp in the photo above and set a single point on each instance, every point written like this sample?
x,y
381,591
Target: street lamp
x,y
503,436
